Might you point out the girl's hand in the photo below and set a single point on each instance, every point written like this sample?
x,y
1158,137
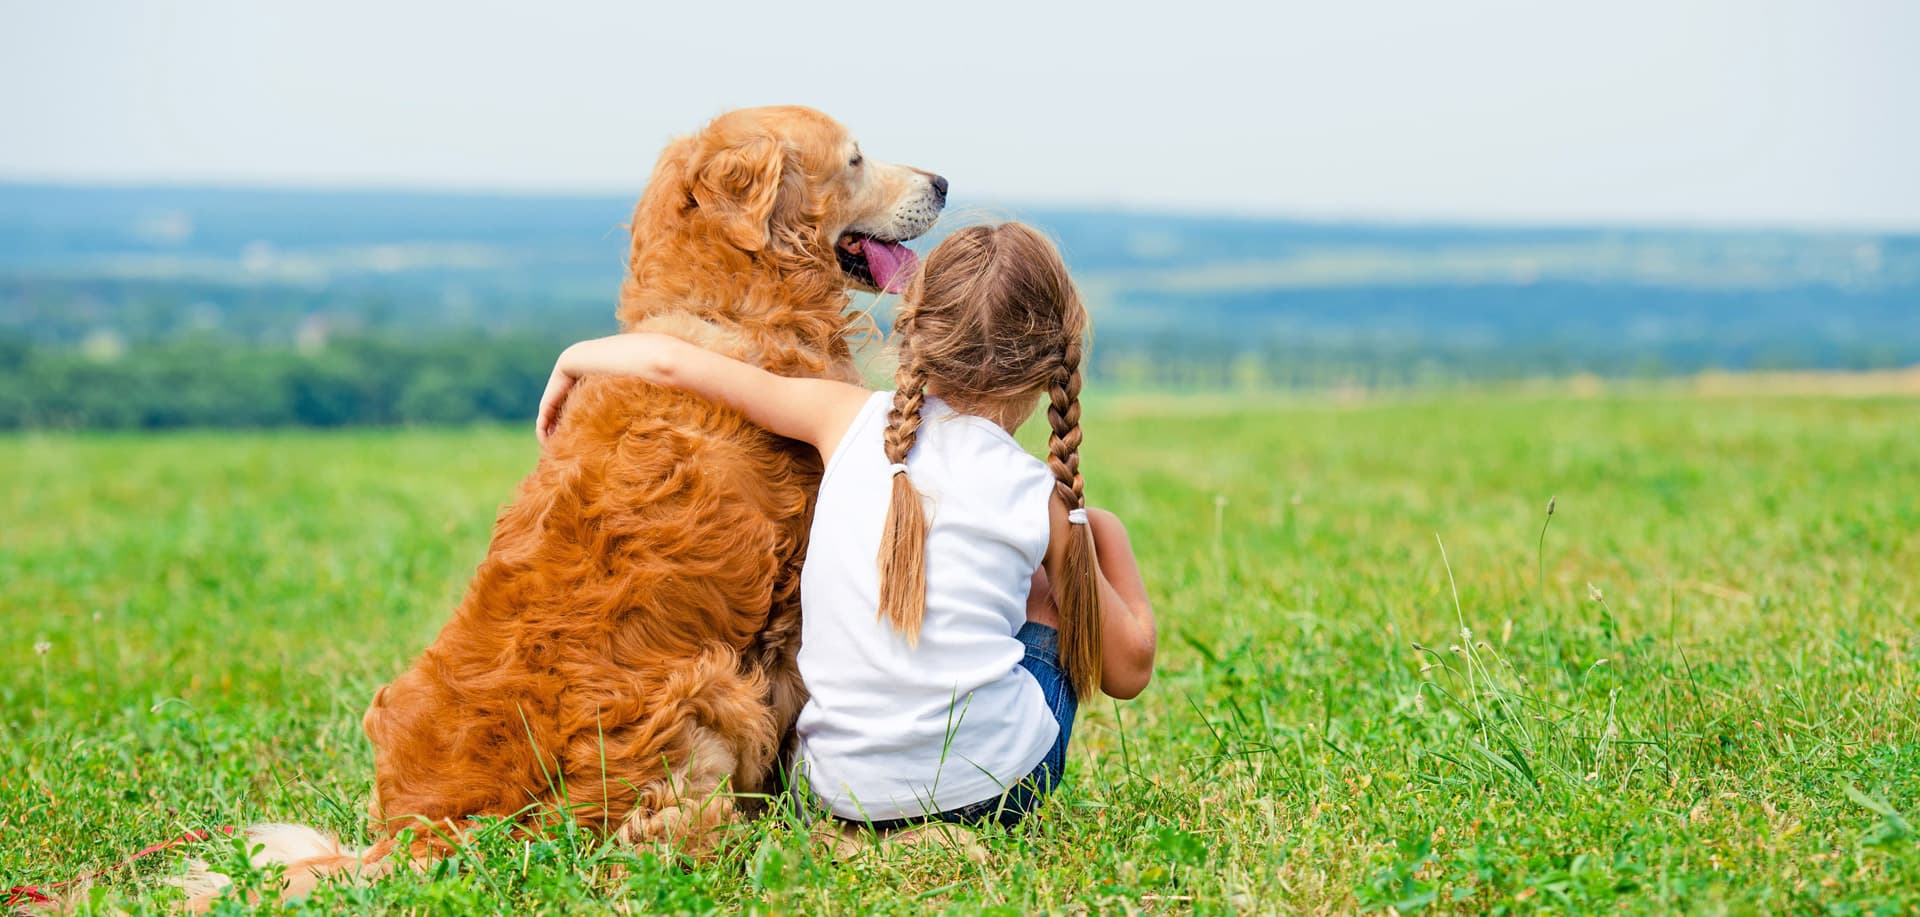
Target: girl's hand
x,y
551,400
619,354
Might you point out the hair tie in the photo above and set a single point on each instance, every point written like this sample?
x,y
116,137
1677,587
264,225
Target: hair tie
x,y
1076,517
898,468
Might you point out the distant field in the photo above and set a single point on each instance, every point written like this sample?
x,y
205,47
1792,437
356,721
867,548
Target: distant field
x,y
1379,687
212,291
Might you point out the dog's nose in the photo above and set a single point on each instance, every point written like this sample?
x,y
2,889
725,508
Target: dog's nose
x,y
940,188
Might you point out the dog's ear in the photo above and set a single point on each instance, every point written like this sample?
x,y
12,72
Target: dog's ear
x,y
737,187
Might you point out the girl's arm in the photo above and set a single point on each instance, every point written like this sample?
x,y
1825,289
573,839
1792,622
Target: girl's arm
x,y
815,411
1128,634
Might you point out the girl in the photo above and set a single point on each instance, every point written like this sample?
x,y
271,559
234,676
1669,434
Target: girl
x,y
944,677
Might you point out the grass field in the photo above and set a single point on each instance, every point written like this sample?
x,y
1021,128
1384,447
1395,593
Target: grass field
x,y
1379,685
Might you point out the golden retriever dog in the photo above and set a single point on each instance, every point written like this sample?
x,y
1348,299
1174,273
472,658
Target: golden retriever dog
x,y
625,652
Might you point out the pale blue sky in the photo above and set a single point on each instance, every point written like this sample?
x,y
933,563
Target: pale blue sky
x,y
1755,112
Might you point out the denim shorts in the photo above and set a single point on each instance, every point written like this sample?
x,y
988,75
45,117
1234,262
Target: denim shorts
x,y
1043,663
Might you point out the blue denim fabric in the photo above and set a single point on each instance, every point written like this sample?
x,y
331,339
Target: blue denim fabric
x,y
1043,662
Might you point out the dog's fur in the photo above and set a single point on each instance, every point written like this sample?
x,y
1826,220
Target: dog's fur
x,y
626,649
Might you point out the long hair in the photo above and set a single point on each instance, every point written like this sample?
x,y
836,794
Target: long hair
x,y
992,320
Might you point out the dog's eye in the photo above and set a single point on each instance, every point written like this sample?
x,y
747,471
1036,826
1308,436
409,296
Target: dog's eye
x,y
855,162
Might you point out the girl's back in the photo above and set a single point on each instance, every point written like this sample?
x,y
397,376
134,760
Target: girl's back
x,y
897,729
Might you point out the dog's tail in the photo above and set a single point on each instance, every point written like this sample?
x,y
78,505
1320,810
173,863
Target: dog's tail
x,y
307,855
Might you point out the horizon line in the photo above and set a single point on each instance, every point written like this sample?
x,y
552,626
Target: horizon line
x,y
1357,217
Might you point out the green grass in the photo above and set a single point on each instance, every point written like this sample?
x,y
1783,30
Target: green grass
x,y
1347,715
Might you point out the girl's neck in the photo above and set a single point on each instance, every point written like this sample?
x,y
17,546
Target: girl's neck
x,y
1009,413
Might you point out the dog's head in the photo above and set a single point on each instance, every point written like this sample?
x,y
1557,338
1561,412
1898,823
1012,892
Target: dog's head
x,y
792,183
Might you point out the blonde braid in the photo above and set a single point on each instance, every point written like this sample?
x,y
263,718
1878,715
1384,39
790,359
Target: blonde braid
x,y
903,420
1078,592
903,543
1063,414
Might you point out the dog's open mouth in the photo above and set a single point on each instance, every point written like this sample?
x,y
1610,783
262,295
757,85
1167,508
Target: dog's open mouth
x,y
882,264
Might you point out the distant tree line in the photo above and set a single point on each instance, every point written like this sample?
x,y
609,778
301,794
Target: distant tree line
x,y
388,377
217,383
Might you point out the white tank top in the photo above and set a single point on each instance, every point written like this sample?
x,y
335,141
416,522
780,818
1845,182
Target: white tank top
x,y
893,731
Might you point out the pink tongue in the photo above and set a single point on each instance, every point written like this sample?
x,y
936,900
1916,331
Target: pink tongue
x,y
890,263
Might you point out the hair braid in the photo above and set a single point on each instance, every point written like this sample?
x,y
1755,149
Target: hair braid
x,y
903,543
1078,592
1063,413
903,420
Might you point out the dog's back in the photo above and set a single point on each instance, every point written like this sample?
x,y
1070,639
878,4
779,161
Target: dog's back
x,y
618,627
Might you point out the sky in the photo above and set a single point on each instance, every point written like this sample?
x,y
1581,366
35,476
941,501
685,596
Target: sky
x,y
1753,112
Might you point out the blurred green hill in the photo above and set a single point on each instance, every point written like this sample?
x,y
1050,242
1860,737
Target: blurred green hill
x,y
189,307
